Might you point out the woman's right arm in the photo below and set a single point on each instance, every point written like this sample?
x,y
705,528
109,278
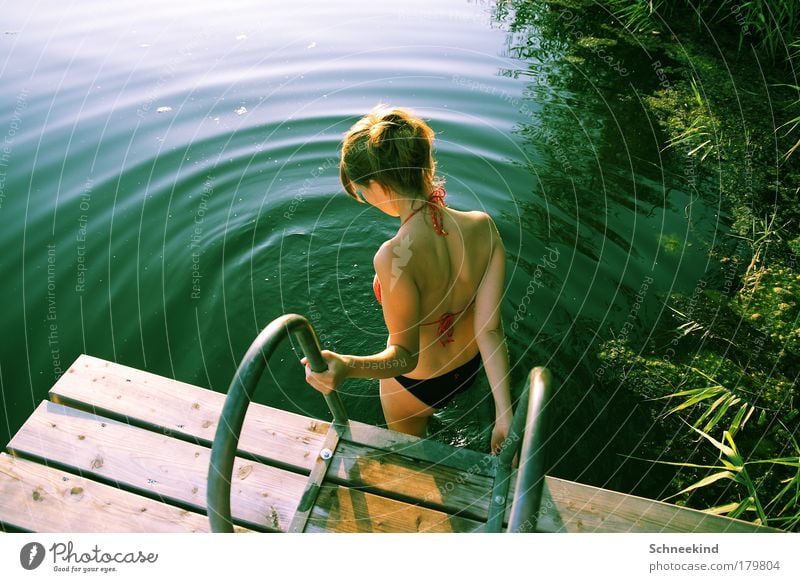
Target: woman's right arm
x,y
491,338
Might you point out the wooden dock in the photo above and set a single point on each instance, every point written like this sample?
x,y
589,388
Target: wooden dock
x,y
117,449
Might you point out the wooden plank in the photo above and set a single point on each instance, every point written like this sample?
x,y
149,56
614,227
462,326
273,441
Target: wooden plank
x,y
150,400
573,507
413,447
42,499
155,464
342,509
290,439
436,486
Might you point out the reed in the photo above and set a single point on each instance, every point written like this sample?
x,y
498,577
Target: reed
x,y
769,25
781,510
791,125
719,400
701,135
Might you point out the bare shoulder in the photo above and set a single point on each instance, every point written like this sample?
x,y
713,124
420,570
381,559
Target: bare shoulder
x,y
480,222
383,256
392,253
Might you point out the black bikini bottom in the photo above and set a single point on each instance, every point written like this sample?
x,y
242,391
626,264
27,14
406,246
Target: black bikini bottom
x,y
438,391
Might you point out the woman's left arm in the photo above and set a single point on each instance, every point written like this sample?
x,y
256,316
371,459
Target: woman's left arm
x,y
401,313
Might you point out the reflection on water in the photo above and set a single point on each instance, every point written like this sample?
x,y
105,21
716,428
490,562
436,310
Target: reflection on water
x,y
171,185
627,225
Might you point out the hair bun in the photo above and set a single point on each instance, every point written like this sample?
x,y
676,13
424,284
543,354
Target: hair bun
x,y
381,131
392,146
396,118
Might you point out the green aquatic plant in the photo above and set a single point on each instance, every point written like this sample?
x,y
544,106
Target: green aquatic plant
x,y
769,25
701,133
671,243
696,139
721,399
773,22
786,503
733,467
725,376
636,14
792,124
782,510
768,300
763,233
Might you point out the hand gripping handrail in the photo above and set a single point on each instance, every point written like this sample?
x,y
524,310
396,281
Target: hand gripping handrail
x,y
527,426
240,393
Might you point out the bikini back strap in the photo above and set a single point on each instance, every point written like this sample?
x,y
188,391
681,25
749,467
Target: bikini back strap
x,y
446,323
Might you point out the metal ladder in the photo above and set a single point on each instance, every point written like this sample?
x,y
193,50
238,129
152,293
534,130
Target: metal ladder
x,y
526,436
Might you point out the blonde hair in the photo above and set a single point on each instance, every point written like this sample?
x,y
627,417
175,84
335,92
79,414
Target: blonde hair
x,y
393,147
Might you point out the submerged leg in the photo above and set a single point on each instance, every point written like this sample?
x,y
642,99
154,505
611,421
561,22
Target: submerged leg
x,y
403,411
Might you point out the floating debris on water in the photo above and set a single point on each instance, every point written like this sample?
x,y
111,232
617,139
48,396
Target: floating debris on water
x,y
241,111
164,109
241,37
312,45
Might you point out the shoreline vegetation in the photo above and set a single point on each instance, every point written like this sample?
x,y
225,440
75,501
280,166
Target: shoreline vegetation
x,y
718,376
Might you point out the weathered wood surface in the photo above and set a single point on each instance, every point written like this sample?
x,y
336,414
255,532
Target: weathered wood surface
x,y
413,447
441,487
154,465
572,507
160,403
42,499
347,510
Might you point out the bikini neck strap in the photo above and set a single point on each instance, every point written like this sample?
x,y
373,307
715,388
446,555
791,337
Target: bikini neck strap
x,y
434,204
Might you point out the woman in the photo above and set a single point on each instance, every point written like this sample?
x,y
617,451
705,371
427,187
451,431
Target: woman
x,y
440,281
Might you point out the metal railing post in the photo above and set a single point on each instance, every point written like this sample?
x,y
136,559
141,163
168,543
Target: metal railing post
x,y
240,393
502,462
530,477
527,431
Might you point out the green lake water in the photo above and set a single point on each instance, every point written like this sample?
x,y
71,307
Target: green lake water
x,y
169,185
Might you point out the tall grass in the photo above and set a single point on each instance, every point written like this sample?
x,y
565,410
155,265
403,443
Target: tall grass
x,y
750,477
770,25
721,399
700,137
782,510
792,124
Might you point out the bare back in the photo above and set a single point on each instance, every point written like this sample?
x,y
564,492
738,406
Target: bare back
x,y
447,271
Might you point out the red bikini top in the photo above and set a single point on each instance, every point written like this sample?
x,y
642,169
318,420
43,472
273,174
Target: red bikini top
x,y
434,203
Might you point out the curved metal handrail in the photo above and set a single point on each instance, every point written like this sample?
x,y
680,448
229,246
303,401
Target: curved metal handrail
x,y
530,477
528,427
240,393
